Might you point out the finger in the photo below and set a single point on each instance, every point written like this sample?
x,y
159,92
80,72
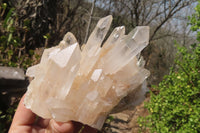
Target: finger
x,y
23,116
59,127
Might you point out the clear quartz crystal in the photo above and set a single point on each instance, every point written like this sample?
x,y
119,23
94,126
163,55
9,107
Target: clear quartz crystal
x,y
91,51
70,84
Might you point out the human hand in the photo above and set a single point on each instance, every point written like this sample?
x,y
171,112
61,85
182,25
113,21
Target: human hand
x,y
25,121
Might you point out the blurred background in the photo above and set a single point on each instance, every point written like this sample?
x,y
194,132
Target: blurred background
x,y
27,27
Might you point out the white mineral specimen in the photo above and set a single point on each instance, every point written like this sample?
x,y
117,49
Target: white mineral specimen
x,y
70,84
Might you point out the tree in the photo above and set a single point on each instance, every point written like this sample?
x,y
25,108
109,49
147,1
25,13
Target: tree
x,y
47,20
176,108
161,16
145,12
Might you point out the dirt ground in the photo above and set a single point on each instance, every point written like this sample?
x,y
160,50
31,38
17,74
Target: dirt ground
x,y
126,121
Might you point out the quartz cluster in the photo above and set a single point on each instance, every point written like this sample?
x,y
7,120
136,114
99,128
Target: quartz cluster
x,y
85,84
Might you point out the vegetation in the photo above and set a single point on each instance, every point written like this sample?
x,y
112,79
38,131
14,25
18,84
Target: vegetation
x,y
176,108
12,48
6,115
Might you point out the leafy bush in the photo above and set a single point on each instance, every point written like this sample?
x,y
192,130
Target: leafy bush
x,y
6,115
13,51
176,108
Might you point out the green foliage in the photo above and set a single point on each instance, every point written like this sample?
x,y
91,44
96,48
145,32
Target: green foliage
x,y
177,106
195,21
12,49
6,118
109,119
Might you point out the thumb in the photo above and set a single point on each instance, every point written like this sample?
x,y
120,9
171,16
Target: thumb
x,y
58,127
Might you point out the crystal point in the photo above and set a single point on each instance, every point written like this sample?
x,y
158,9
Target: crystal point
x,y
68,39
70,84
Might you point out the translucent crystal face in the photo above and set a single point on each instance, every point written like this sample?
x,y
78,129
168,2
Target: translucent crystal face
x,y
70,84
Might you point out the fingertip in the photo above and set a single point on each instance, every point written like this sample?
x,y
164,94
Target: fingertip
x,y
60,127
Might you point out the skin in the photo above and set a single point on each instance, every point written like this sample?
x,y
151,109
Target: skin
x,y
25,121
